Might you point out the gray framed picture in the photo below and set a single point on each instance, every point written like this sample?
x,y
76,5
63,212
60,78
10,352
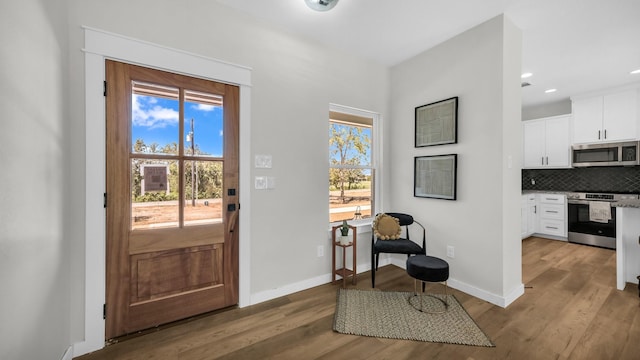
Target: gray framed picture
x,y
437,123
435,176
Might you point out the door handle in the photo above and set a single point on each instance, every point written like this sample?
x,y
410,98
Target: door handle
x,y
232,222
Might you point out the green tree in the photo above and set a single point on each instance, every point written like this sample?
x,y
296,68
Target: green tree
x,y
348,145
209,174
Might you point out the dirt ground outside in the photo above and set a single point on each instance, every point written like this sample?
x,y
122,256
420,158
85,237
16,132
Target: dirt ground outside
x,y
147,215
345,210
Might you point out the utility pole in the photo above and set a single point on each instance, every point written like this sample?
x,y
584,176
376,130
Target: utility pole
x,y
193,166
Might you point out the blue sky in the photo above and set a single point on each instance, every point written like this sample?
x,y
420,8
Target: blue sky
x,y
156,119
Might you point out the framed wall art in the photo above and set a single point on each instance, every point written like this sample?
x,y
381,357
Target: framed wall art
x,y
435,176
437,123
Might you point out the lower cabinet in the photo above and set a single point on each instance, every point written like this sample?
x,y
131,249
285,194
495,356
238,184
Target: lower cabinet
x,y
529,215
544,215
552,215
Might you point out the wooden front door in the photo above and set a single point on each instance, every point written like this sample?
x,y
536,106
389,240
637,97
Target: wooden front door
x,y
172,197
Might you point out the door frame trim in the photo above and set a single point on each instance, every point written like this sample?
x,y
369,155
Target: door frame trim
x,y
98,46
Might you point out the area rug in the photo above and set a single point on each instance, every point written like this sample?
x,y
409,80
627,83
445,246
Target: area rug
x,y
389,314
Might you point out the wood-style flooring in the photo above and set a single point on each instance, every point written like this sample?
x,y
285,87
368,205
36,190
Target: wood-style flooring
x,y
570,310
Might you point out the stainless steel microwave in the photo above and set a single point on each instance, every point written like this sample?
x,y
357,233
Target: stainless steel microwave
x,y
610,154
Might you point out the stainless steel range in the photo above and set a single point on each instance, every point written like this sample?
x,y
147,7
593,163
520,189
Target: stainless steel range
x,y
592,218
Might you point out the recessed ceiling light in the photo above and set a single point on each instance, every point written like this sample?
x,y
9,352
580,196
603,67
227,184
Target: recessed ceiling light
x,y
526,75
550,90
636,71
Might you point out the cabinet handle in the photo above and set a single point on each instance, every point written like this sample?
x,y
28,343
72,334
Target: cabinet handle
x,y
605,134
598,134
552,227
535,211
552,211
547,160
542,160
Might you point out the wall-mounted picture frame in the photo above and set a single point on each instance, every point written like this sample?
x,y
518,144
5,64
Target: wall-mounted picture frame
x,y
435,176
437,123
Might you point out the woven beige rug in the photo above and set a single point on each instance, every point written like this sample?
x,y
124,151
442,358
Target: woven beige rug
x,y
389,314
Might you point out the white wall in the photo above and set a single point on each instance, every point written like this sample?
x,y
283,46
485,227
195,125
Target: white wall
x,y
293,82
34,220
481,224
561,107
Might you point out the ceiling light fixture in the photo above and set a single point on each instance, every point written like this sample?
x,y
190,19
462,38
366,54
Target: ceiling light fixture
x,y
551,91
526,75
636,71
321,5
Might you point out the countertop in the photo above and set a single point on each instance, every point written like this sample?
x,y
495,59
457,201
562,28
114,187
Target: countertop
x,y
620,203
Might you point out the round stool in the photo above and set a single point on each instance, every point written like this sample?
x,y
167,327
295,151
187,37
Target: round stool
x,y
429,269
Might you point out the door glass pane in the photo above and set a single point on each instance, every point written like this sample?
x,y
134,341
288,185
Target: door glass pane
x,y
203,202
203,124
154,194
155,119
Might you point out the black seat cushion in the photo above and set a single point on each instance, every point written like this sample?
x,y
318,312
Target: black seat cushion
x,y
398,246
427,268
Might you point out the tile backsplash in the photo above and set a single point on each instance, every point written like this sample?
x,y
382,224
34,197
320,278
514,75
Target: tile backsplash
x,y
609,179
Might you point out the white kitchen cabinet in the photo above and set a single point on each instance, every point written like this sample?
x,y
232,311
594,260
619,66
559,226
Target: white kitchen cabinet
x,y
529,216
547,142
605,118
552,215
532,214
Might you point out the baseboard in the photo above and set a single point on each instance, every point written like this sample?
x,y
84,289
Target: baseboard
x,y
502,301
514,295
289,289
304,285
68,355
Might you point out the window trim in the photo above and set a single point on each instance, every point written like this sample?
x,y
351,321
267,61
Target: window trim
x,y
376,158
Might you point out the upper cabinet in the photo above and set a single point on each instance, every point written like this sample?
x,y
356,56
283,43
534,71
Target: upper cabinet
x,y
547,142
607,117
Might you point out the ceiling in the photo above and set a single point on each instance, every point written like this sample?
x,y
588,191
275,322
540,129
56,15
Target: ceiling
x,y
574,46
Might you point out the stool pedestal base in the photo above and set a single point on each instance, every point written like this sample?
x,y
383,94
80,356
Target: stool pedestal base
x,y
421,296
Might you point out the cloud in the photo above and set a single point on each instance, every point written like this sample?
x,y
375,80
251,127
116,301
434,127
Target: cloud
x,y
203,107
146,113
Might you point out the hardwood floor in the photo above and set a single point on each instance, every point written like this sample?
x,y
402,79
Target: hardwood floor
x,y
570,310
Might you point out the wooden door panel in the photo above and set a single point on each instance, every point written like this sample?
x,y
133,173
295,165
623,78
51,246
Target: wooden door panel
x,y
162,274
145,315
165,239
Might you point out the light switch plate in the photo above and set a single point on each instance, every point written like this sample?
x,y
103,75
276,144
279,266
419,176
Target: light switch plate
x,y
261,182
263,161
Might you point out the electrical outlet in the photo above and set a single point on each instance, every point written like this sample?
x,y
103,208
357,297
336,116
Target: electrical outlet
x,y
320,251
450,252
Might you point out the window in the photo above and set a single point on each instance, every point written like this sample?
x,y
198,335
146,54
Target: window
x,y
351,164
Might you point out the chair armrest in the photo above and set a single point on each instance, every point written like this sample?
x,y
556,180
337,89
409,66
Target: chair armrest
x,y
424,236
